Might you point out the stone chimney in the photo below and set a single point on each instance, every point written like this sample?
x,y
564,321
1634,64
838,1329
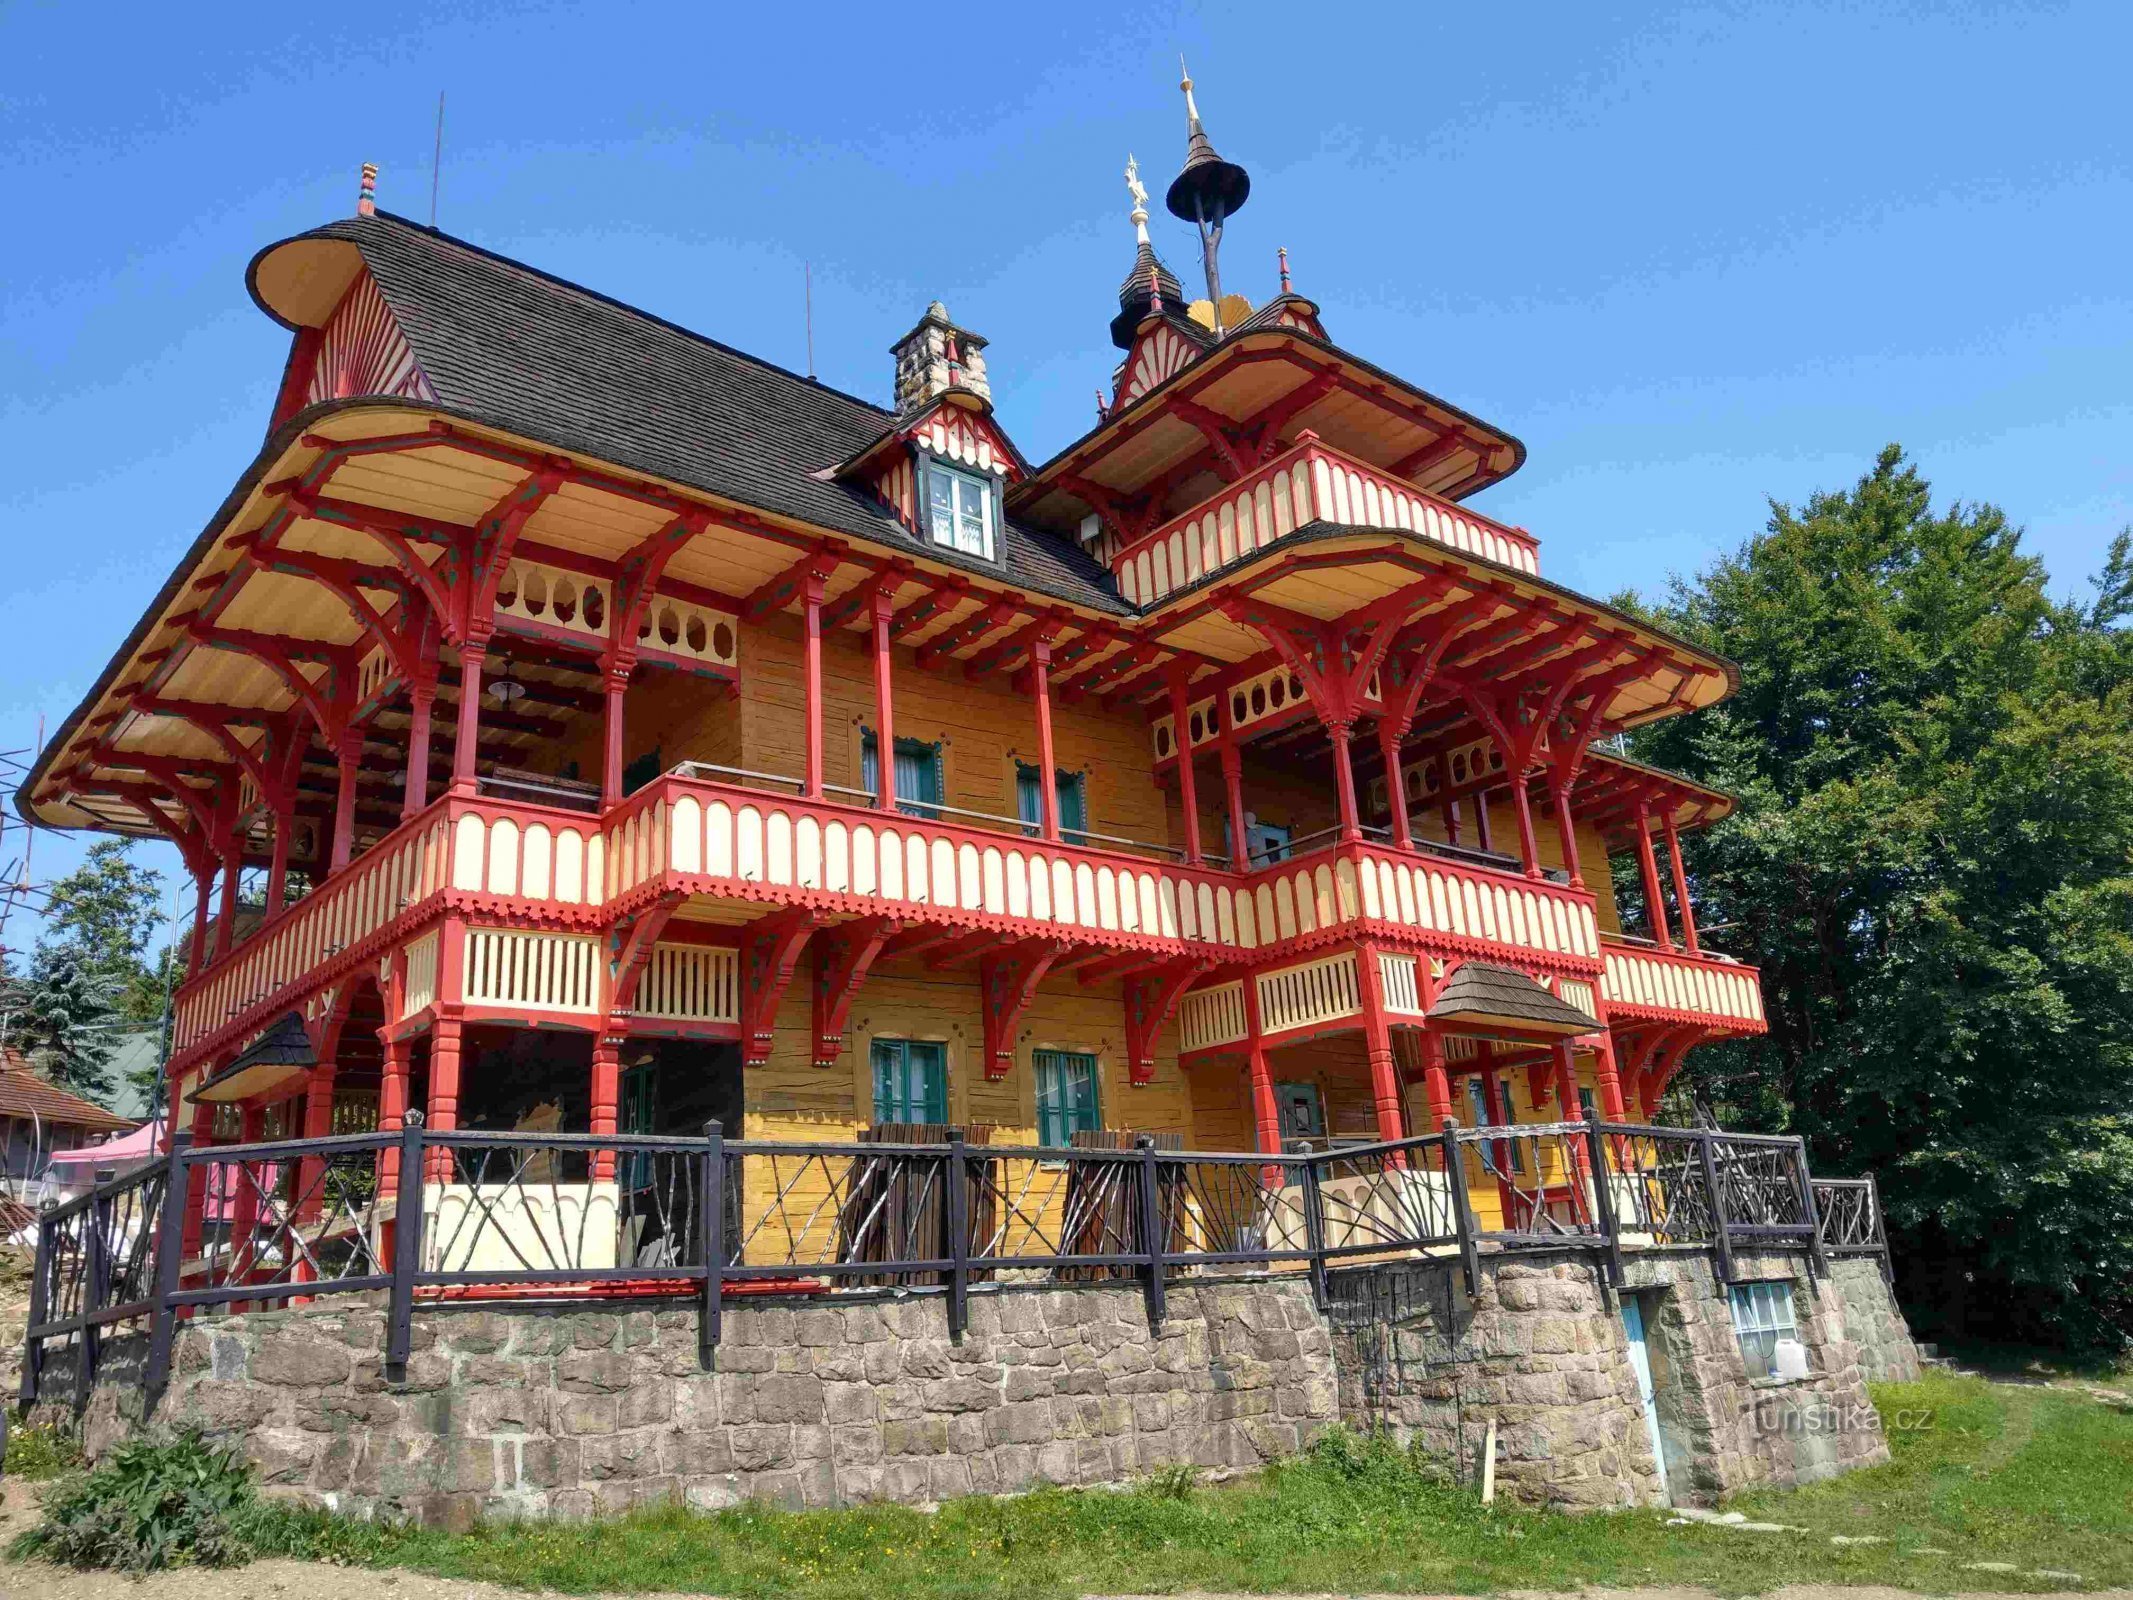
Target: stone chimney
x,y
937,356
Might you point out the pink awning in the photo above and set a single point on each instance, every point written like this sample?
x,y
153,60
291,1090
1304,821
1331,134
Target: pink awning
x,y
139,1145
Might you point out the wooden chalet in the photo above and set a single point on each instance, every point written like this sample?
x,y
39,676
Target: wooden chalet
x,y
658,736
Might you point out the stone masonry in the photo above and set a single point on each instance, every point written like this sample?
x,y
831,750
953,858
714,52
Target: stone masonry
x,y
568,1412
525,1412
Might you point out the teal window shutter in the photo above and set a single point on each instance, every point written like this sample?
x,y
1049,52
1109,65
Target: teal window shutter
x,y
1067,1098
918,772
910,1080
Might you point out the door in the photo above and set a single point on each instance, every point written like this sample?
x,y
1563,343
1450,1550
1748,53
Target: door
x,y
1302,1114
637,1114
1640,1358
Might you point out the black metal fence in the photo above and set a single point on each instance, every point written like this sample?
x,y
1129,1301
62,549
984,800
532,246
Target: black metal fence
x,y
434,1217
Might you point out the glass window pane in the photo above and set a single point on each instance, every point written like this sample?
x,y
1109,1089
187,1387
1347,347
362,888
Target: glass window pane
x,y
1028,804
1073,802
940,497
869,763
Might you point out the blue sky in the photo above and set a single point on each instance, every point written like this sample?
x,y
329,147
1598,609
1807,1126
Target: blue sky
x,y
1694,256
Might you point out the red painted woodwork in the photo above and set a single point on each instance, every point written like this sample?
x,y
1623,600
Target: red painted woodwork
x,y
883,605
1150,998
1681,884
811,599
843,957
1648,871
770,952
1009,980
1047,768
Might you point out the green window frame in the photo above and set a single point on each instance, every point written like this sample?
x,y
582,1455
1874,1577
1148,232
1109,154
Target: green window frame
x,y
910,1080
918,773
1073,791
1069,1096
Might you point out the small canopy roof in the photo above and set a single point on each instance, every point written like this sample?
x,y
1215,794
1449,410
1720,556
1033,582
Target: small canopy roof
x,y
1485,998
281,1053
132,1148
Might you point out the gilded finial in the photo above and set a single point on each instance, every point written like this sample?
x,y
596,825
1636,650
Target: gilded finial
x,y
1139,191
1192,112
367,192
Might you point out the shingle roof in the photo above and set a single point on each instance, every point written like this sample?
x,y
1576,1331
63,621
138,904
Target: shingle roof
x,y
23,1094
1479,989
543,358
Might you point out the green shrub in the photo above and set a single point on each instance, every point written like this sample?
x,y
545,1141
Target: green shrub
x,y
152,1504
40,1451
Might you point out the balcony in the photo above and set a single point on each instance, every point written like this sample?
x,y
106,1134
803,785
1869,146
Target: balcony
x,y
729,838
1311,483
1642,982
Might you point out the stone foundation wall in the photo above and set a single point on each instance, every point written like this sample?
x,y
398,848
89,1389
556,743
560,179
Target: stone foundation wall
x,y
1874,1321
1541,1350
529,1411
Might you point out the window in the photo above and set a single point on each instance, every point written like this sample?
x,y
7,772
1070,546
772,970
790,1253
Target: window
x,y
1498,1155
910,1081
1073,791
959,509
1762,1315
918,773
1066,1097
1266,843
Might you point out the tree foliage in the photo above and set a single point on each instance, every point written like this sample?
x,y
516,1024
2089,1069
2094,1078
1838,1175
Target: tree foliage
x,y
1932,862
108,907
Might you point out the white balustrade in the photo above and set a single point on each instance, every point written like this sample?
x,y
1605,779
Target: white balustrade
x,y
1655,981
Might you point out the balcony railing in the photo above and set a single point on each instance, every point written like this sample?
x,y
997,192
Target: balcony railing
x,y
732,838
436,1218
1312,483
1640,979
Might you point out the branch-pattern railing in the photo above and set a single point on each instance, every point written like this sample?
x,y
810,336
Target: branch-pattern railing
x,y
435,1216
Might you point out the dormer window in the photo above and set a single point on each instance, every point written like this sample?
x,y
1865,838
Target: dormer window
x,y
959,510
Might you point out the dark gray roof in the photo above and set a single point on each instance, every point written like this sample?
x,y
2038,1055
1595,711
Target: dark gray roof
x,y
286,1043
1481,989
543,358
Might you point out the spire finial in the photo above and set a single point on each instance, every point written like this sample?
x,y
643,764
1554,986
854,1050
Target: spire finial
x,y
1139,191
1155,292
367,191
1192,112
1283,252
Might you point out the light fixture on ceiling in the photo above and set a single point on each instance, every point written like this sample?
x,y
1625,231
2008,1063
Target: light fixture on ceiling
x,y
505,688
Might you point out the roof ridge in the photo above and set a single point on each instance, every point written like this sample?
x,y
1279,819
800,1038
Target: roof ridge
x,y
561,282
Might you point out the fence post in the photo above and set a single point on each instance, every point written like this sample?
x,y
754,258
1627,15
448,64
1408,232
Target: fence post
x,y
1315,1230
1603,1201
40,1306
1818,1254
1719,1238
95,1286
170,1253
957,1205
1881,1230
1152,1230
1462,1209
407,1251
710,1321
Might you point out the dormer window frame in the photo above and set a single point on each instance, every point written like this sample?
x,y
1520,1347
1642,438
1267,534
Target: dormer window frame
x,y
992,486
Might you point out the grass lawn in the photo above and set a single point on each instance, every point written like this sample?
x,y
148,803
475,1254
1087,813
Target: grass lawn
x,y
2035,1476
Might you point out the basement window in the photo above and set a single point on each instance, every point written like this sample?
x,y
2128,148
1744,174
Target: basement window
x,y
959,510
1762,1315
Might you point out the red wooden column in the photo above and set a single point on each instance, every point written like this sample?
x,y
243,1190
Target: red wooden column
x,y
466,732
1436,1082
617,683
1681,885
195,1228
318,1123
278,861
348,756
1522,809
1377,1047
606,1100
1233,780
1188,786
1344,779
392,1106
1567,1102
811,595
1395,782
247,1176
1566,834
884,700
1266,1114
1607,1079
226,918
442,1114
1040,672
415,786
203,882
1648,869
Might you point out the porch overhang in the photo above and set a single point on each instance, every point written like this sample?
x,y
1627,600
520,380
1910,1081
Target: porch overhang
x,y
277,1057
1483,998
